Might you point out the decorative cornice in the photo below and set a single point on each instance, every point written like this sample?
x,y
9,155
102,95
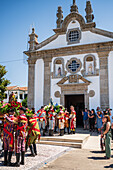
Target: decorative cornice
x,y
62,81
31,61
72,50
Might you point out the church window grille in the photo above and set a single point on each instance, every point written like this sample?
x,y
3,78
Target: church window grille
x,y
73,65
73,36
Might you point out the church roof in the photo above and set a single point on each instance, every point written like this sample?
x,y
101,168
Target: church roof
x,y
89,34
87,37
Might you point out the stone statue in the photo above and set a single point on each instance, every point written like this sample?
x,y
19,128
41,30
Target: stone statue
x,y
59,71
90,69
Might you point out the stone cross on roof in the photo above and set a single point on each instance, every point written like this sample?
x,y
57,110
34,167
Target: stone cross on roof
x,y
74,2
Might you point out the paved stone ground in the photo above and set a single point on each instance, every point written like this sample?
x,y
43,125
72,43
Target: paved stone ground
x,y
78,159
46,153
64,158
88,158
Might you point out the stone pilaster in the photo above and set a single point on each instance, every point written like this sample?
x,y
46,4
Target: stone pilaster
x,y
104,82
31,83
47,80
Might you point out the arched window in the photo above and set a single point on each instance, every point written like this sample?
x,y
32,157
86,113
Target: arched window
x,y
58,68
90,66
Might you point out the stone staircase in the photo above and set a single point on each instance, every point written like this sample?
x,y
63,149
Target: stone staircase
x,y
75,141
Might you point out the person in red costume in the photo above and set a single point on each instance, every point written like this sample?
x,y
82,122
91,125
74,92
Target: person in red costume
x,y
51,115
42,119
72,120
61,121
8,137
66,123
20,137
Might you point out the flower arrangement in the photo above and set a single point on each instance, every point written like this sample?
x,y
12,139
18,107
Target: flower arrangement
x,y
56,107
5,107
29,113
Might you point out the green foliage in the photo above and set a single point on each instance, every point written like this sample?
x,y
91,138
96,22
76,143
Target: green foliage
x,y
24,102
5,107
3,82
56,108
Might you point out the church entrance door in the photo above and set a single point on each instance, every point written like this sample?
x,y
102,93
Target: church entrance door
x,y
79,104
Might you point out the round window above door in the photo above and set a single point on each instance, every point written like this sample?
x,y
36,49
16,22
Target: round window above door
x,y
73,65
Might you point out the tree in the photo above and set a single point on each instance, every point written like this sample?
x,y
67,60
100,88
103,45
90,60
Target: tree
x,y
24,102
3,82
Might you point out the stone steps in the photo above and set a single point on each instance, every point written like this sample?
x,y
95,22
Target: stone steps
x,y
75,141
57,143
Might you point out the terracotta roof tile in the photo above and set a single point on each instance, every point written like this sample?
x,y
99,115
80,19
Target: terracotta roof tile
x,y
13,88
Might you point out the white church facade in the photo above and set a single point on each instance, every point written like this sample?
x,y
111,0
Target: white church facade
x,y
74,66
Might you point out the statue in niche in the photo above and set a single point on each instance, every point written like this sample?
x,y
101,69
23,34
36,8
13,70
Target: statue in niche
x,y
90,69
59,71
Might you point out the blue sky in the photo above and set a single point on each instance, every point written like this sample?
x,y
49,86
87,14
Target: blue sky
x,y
17,18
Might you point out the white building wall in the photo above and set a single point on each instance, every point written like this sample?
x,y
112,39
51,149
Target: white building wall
x,y
110,70
94,102
39,83
95,80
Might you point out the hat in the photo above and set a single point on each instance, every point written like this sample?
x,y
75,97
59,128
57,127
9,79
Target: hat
x,y
11,110
22,108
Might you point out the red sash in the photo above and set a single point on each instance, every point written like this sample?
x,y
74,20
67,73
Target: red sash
x,y
9,133
33,127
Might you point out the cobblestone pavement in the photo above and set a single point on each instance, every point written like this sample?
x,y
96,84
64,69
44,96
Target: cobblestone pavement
x,y
46,153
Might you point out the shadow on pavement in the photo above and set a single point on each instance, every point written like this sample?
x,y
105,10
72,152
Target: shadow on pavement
x,y
96,158
97,151
110,166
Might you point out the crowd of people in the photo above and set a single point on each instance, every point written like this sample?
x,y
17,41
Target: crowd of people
x,y
22,131
100,120
60,122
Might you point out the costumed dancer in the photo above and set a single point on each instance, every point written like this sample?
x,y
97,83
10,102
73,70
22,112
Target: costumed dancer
x,y
61,121
72,120
33,134
20,137
8,137
42,119
66,123
51,115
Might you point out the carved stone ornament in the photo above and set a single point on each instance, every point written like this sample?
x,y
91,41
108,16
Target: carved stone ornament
x,y
73,78
57,94
91,93
73,65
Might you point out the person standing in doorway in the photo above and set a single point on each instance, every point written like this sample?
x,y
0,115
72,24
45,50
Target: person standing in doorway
x,y
85,119
72,120
91,116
